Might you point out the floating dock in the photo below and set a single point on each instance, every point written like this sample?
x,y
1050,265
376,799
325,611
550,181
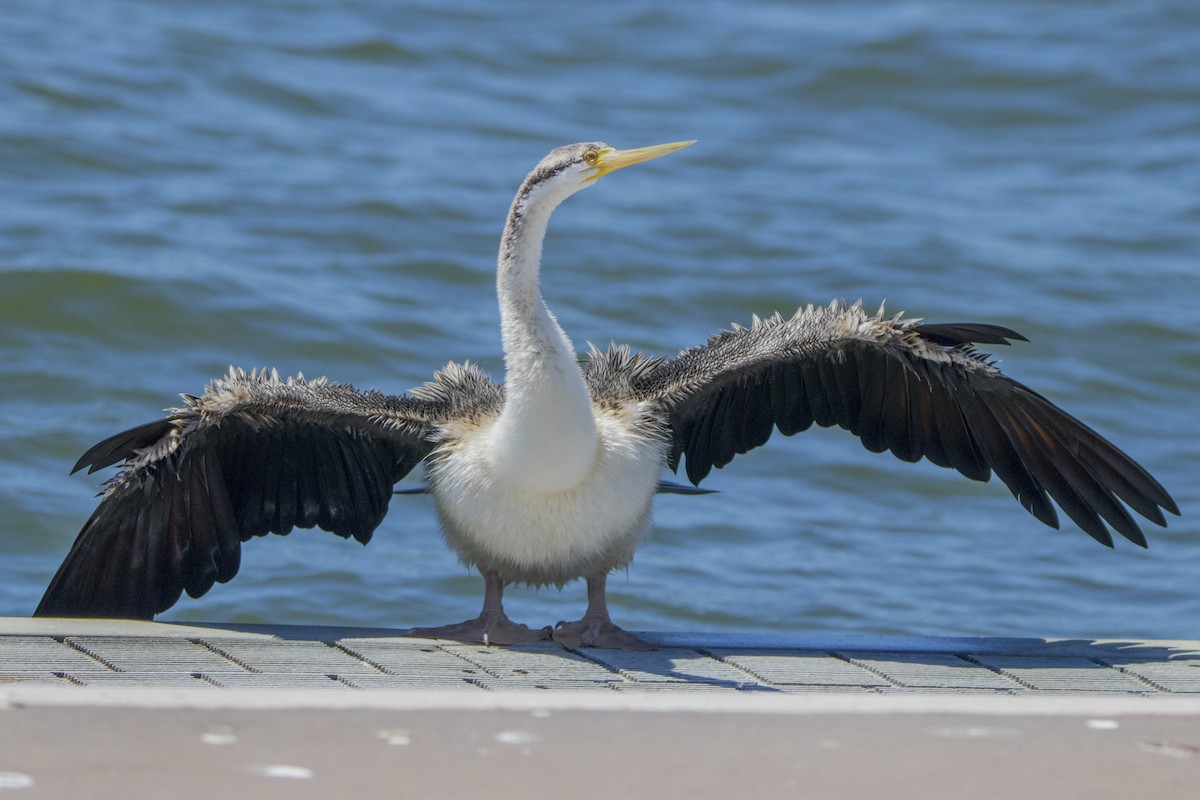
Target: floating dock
x,y
101,708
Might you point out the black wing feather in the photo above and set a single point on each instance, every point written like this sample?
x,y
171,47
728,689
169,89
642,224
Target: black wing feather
x,y
195,487
918,390
122,445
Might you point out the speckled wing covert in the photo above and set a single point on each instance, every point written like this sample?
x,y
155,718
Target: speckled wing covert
x,y
254,455
919,390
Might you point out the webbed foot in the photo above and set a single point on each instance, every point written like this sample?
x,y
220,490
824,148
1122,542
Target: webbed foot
x,y
492,626
487,629
597,632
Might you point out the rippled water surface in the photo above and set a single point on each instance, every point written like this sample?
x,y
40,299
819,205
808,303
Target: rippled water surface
x,y
320,187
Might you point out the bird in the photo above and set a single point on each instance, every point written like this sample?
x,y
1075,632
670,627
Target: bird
x,y
550,475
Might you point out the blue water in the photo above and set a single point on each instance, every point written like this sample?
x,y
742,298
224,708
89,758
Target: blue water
x,y
320,187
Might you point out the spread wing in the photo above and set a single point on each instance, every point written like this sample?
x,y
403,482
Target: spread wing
x,y
253,455
920,391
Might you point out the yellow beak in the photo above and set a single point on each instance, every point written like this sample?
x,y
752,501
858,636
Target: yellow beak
x,y
611,159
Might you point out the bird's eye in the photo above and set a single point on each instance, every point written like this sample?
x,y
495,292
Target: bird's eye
x,y
591,157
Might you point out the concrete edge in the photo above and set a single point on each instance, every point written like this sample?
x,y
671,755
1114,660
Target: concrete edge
x,y
60,627
864,643
17,697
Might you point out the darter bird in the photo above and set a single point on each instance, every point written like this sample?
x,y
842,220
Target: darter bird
x,y
550,476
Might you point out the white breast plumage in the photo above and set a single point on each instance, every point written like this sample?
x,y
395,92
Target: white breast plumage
x,y
536,537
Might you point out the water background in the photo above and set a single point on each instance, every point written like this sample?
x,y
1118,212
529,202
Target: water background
x,y
320,187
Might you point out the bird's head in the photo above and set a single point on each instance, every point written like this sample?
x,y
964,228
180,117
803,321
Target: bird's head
x,y
596,159
567,169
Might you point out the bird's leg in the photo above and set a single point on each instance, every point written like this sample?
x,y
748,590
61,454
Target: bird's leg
x,y
596,629
492,626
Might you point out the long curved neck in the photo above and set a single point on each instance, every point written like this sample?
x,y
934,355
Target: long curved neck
x,y
545,439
